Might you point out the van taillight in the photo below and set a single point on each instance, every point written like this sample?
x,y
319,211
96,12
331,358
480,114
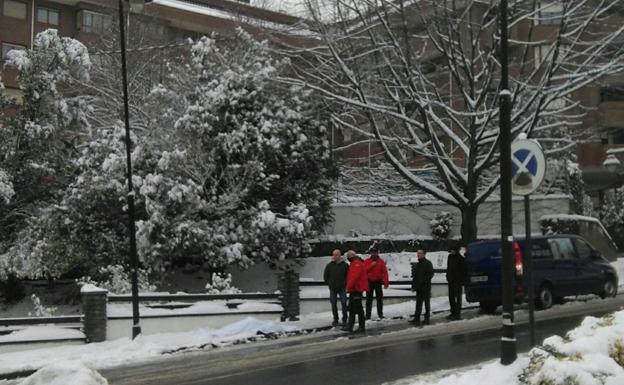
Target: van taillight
x,y
518,259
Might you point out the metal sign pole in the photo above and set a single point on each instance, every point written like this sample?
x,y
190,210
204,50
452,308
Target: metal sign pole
x,y
529,266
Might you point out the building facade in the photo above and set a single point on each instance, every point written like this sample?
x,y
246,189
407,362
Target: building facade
x,y
164,21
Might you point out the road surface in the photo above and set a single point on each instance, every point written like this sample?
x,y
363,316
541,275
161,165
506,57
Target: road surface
x,y
367,360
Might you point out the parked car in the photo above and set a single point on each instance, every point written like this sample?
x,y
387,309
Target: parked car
x,y
563,265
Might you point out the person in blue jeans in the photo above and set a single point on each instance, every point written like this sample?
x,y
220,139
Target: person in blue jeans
x,y
335,276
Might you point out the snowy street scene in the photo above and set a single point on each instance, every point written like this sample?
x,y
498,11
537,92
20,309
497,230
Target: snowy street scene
x,y
311,192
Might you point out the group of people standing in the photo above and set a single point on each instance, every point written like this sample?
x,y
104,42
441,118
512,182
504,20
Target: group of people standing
x,y
371,276
354,279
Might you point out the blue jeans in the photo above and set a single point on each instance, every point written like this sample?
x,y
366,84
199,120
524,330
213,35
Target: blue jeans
x,y
333,298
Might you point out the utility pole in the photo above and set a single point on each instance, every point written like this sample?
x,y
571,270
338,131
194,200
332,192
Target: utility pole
x,y
508,339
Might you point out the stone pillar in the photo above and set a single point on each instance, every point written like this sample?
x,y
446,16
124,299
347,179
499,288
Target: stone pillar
x,y
288,285
94,309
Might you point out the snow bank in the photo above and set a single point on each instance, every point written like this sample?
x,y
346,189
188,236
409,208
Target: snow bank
x,y
37,333
124,350
64,373
591,354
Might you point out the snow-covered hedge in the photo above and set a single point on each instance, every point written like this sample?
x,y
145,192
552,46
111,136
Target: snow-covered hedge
x,y
441,225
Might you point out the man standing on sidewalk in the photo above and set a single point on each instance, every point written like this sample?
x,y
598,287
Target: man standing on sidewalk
x,y
422,274
456,275
335,276
377,276
357,283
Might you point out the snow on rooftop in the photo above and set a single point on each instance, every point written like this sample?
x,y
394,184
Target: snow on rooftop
x,y
205,9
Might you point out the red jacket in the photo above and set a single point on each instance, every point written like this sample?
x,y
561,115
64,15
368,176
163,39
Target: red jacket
x,y
377,270
357,279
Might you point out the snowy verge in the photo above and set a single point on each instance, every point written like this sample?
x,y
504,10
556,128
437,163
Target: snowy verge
x,y
39,333
591,354
64,373
144,347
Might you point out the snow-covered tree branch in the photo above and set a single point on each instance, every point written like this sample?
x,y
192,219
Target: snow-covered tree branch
x,y
422,78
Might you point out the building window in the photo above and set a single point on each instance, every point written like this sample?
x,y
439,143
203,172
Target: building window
x,y
47,16
7,47
612,94
614,135
550,13
94,22
14,9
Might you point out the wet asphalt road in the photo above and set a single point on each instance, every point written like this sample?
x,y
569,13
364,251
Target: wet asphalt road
x,y
388,363
359,361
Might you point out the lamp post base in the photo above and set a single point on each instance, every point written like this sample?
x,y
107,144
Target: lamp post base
x,y
136,330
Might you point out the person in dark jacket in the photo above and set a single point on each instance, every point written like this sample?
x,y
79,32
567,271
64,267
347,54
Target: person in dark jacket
x,y
377,277
422,274
335,276
357,283
456,275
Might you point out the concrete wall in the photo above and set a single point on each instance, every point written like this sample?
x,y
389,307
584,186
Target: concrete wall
x,y
414,219
120,327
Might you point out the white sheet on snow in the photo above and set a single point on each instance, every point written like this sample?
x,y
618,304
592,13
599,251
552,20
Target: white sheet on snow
x,y
65,373
37,333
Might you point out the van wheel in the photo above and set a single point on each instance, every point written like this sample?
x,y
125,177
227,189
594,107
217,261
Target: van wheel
x,y
488,307
544,298
609,288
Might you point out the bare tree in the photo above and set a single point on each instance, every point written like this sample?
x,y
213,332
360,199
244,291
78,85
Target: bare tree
x,y
421,80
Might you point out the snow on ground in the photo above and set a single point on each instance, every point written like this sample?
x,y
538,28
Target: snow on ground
x,y
37,333
591,354
144,347
322,292
65,373
202,307
619,267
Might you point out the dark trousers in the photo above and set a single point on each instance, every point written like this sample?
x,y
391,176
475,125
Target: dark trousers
x,y
455,298
333,299
355,307
376,288
423,296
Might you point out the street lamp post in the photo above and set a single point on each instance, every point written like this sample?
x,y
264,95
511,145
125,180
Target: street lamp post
x,y
508,339
137,6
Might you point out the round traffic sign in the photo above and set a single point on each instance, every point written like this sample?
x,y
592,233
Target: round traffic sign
x,y
528,166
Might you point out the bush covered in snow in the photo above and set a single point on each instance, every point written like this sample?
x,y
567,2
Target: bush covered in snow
x,y
117,280
39,135
230,166
441,225
560,225
221,284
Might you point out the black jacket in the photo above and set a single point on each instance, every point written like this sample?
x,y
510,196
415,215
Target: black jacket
x,y
422,273
335,275
456,269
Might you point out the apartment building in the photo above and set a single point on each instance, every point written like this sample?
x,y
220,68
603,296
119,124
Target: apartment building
x,y
165,21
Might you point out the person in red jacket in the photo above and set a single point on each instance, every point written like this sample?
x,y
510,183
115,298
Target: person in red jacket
x,y
377,276
357,283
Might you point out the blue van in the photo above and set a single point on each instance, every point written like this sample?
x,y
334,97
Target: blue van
x,y
563,265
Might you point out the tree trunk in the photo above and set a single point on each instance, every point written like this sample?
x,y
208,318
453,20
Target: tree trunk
x,y
468,224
